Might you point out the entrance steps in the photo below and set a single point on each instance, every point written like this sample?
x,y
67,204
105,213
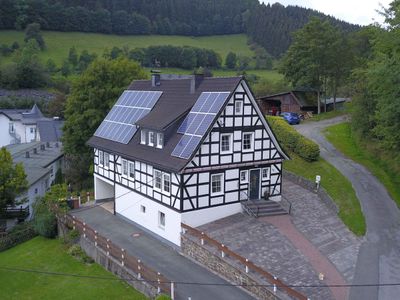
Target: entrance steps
x,y
262,208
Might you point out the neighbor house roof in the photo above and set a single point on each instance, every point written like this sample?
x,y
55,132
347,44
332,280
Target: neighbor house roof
x,y
26,116
36,165
305,98
50,130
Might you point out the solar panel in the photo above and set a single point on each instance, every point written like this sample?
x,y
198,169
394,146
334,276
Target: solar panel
x,y
119,124
198,121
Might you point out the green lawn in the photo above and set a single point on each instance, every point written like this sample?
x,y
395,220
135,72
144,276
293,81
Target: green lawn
x,y
50,255
58,43
336,185
380,164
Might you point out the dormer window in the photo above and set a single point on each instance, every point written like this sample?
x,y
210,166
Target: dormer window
x,y
151,138
160,140
143,134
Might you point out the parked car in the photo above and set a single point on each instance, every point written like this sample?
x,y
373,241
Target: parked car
x,y
291,118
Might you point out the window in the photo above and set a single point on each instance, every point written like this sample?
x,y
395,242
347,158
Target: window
x,y
143,137
101,158
32,130
11,128
151,138
238,107
157,179
160,140
131,170
143,209
51,171
216,184
265,173
36,191
239,96
226,142
106,160
247,141
161,219
243,176
125,167
167,183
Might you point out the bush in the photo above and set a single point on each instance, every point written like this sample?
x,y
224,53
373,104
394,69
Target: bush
x,y
19,234
293,141
79,254
45,224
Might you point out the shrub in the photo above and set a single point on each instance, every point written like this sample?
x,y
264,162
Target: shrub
x,y
19,234
45,224
79,254
293,141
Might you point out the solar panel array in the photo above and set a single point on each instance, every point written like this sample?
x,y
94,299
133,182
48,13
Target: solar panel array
x,y
198,121
119,124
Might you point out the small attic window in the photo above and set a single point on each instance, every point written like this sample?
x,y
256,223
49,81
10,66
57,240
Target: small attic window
x,y
160,140
143,135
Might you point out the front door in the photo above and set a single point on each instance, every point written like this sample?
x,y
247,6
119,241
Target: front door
x,y
254,186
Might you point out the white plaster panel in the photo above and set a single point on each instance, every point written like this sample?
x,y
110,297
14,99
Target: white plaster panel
x,y
205,160
247,122
204,177
231,186
231,174
247,111
228,122
236,157
237,146
238,122
215,148
231,197
226,159
217,200
204,189
214,159
203,201
247,157
229,110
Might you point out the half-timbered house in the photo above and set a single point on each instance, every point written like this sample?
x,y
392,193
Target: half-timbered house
x,y
185,149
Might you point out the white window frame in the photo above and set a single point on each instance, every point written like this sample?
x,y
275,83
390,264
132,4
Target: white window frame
x,y
221,178
11,128
238,109
106,160
101,158
166,183
157,174
131,170
124,168
160,140
266,176
251,142
151,138
246,176
161,219
230,135
143,135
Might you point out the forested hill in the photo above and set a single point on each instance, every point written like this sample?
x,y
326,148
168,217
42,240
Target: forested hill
x,y
269,26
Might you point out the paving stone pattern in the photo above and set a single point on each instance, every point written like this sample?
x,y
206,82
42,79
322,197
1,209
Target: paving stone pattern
x,y
263,244
323,229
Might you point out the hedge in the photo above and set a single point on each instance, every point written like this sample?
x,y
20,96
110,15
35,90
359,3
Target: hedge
x,y
293,141
20,234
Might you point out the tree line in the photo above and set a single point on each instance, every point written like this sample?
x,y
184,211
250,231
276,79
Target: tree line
x,y
268,25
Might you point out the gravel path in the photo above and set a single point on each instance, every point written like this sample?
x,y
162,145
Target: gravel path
x,y
379,256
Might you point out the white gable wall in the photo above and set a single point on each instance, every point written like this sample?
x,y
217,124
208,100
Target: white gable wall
x,y
5,137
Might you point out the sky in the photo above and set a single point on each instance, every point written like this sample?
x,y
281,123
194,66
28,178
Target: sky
x,y
354,11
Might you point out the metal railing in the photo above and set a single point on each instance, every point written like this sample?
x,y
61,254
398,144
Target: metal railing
x,y
247,264
286,204
247,208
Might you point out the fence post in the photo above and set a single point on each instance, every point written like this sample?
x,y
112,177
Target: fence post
x,y
84,229
73,223
108,248
222,251
247,267
172,291
275,278
95,238
122,257
202,239
139,275
158,283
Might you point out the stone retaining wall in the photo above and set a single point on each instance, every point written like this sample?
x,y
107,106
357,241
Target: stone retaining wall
x,y
226,268
309,185
115,267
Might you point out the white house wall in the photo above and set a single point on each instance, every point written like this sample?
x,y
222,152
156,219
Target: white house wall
x,y
130,205
5,137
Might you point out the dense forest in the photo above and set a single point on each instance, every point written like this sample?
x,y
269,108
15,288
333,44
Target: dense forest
x,y
268,25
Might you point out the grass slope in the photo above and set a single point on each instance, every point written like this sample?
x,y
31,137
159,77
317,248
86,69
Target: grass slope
x,y
340,136
336,185
58,43
49,255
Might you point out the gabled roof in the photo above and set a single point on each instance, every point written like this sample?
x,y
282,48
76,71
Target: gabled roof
x,y
173,105
50,130
26,116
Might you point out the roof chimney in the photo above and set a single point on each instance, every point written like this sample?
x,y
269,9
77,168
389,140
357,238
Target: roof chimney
x,y
27,154
155,78
195,82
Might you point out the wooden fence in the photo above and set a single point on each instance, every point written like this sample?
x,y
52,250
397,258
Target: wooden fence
x,y
248,265
143,272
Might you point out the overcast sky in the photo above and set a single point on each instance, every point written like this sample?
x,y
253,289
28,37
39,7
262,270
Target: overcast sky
x,y
354,11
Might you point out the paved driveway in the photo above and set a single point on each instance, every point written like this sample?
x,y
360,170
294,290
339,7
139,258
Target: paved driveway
x,y
379,256
161,258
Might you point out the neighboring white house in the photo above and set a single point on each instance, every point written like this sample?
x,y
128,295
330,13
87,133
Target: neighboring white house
x,y
185,149
41,162
24,126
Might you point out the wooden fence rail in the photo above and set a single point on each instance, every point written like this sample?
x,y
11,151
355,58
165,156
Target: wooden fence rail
x,y
143,272
248,265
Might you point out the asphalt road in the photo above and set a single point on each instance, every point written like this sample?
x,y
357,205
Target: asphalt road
x,y
379,256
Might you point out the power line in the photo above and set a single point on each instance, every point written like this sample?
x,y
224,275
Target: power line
x,y
12,269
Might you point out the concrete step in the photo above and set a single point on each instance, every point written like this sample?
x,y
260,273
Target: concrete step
x,y
265,208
